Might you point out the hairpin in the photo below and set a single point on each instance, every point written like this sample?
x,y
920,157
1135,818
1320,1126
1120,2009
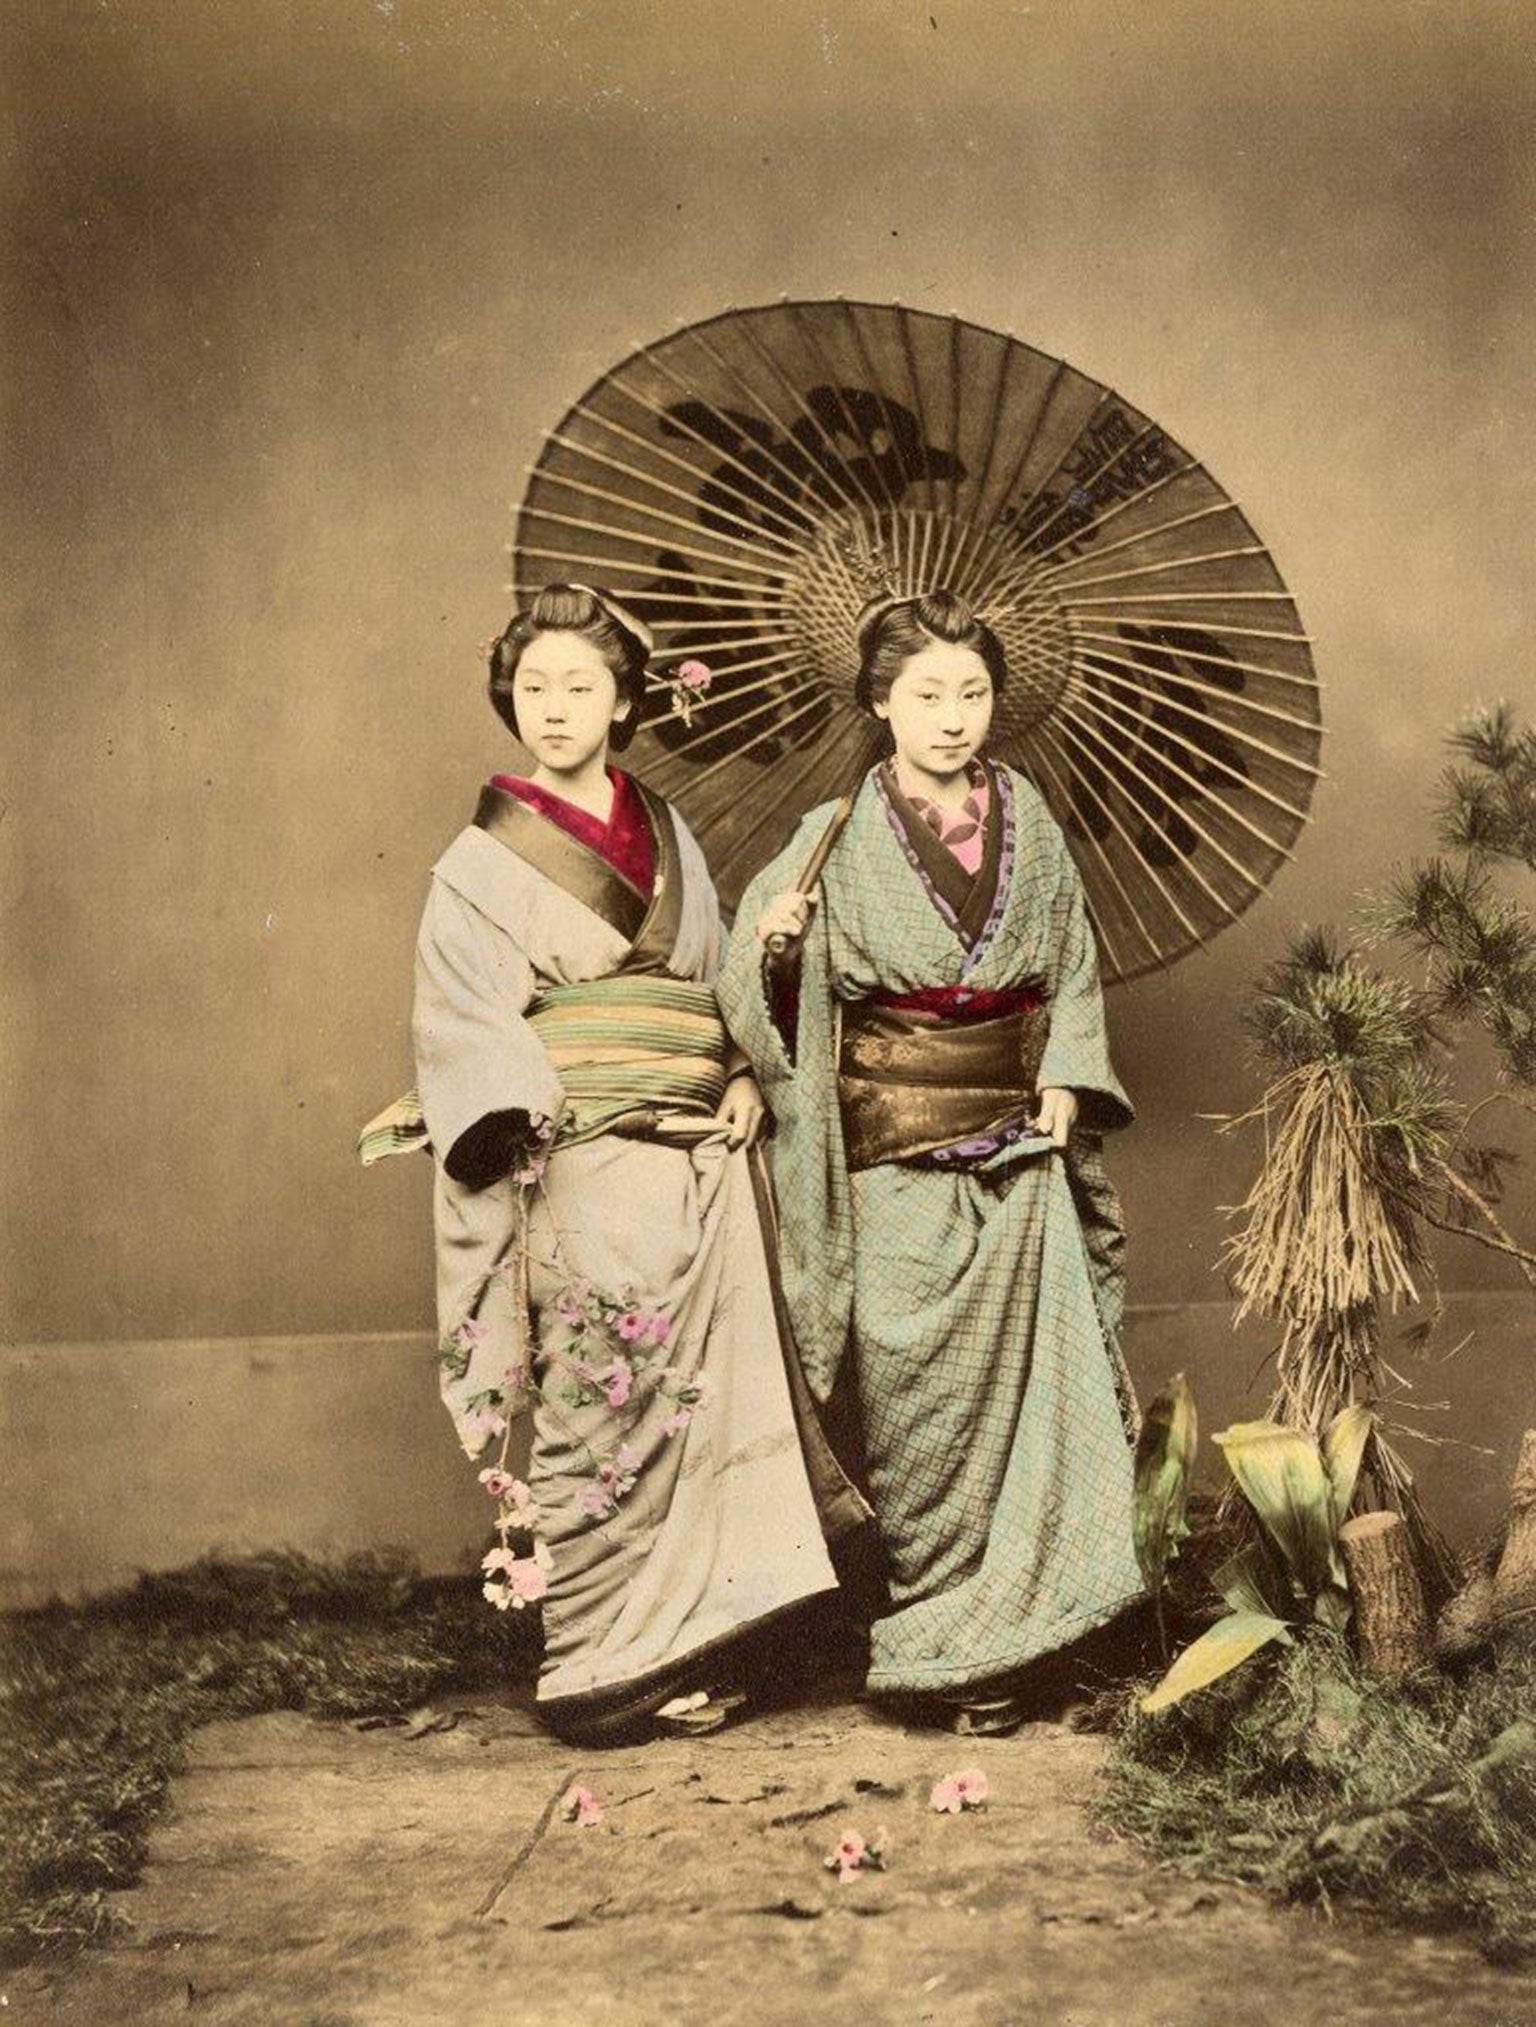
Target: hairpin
x,y
689,685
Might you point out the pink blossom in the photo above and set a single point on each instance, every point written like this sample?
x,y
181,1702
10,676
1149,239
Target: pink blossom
x,y
479,1423
496,1481
958,1792
694,675
518,1497
676,1422
616,1382
582,1807
658,1328
627,1461
522,1579
596,1500
632,1326
528,1582
855,1854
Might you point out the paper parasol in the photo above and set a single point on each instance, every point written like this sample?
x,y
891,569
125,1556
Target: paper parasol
x,y
1161,691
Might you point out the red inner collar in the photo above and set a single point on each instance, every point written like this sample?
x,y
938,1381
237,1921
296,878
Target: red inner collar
x,y
625,841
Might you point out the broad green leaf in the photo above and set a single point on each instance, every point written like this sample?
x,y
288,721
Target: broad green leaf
x,y
1282,1476
1344,1442
1252,1581
1227,1645
1165,1451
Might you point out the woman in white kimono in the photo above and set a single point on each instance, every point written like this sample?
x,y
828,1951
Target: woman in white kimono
x,y
600,1249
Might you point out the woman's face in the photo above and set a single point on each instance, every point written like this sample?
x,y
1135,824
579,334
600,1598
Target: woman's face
x,y
567,701
939,709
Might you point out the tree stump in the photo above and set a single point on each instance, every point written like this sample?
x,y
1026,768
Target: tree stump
x,y
1391,1624
1514,1582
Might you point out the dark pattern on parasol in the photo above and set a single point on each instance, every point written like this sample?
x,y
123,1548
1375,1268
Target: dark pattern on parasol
x,y
1161,696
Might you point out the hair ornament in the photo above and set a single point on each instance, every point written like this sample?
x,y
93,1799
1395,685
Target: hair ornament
x,y
689,685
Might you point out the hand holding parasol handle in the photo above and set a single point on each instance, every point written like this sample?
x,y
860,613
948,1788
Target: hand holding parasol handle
x,y
815,865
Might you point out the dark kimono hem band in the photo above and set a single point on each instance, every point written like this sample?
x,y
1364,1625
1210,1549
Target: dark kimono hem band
x,y
940,1675
613,1714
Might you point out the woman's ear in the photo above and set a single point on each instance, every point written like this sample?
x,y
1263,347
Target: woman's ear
x,y
622,710
881,709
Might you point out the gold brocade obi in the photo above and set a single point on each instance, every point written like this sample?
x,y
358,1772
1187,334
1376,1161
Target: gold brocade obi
x,y
630,1048
913,1079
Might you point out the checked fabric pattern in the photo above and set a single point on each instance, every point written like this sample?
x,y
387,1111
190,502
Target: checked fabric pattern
x,y
980,1307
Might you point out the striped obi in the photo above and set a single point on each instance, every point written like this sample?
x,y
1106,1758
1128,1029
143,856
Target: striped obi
x,y
630,1047
629,1051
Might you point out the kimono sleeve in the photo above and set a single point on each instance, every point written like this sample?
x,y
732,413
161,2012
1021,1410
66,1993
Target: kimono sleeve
x,y
1077,1053
488,1089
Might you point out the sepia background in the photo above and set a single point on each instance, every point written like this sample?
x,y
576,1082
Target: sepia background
x,y
294,290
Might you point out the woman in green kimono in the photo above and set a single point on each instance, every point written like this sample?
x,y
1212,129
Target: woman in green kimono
x,y
601,1259
935,1058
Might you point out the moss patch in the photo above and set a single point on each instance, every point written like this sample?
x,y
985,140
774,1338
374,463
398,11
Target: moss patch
x,y
96,1704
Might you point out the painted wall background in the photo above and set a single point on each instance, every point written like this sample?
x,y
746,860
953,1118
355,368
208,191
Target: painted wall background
x,y
294,290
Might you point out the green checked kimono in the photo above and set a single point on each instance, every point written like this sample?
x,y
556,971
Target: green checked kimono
x,y
558,1007
970,1291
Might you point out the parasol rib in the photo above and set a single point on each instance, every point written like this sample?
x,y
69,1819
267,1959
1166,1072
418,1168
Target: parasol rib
x,y
877,386
1224,662
1094,672
1234,700
1222,627
1066,812
684,747
1117,705
761,594
709,729
988,460
667,419
701,775
1090,606
797,530
1176,809
776,548
854,491
792,545
997,533
920,410
833,382
640,541
1062,731
1120,507
1053,571
728,369
1065,590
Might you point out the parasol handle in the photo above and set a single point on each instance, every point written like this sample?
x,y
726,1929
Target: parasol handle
x,y
815,865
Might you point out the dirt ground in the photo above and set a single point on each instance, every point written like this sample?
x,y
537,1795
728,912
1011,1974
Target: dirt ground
x,y
322,1875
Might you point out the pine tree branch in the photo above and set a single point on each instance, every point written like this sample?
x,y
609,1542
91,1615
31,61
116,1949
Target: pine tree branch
x,y
1497,1240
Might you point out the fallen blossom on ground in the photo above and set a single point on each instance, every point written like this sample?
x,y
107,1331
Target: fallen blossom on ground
x,y
854,1854
968,1789
582,1807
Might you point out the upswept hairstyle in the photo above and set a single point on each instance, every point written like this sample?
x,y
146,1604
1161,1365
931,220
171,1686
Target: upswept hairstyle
x,y
891,630
578,609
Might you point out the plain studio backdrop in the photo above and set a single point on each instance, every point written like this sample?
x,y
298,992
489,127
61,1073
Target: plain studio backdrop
x,y
294,291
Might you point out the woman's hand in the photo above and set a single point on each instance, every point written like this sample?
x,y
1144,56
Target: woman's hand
x,y
786,915
1056,1109
741,1110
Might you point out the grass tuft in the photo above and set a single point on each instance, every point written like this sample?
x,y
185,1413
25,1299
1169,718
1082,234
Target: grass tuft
x,y
97,1702
1308,1780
